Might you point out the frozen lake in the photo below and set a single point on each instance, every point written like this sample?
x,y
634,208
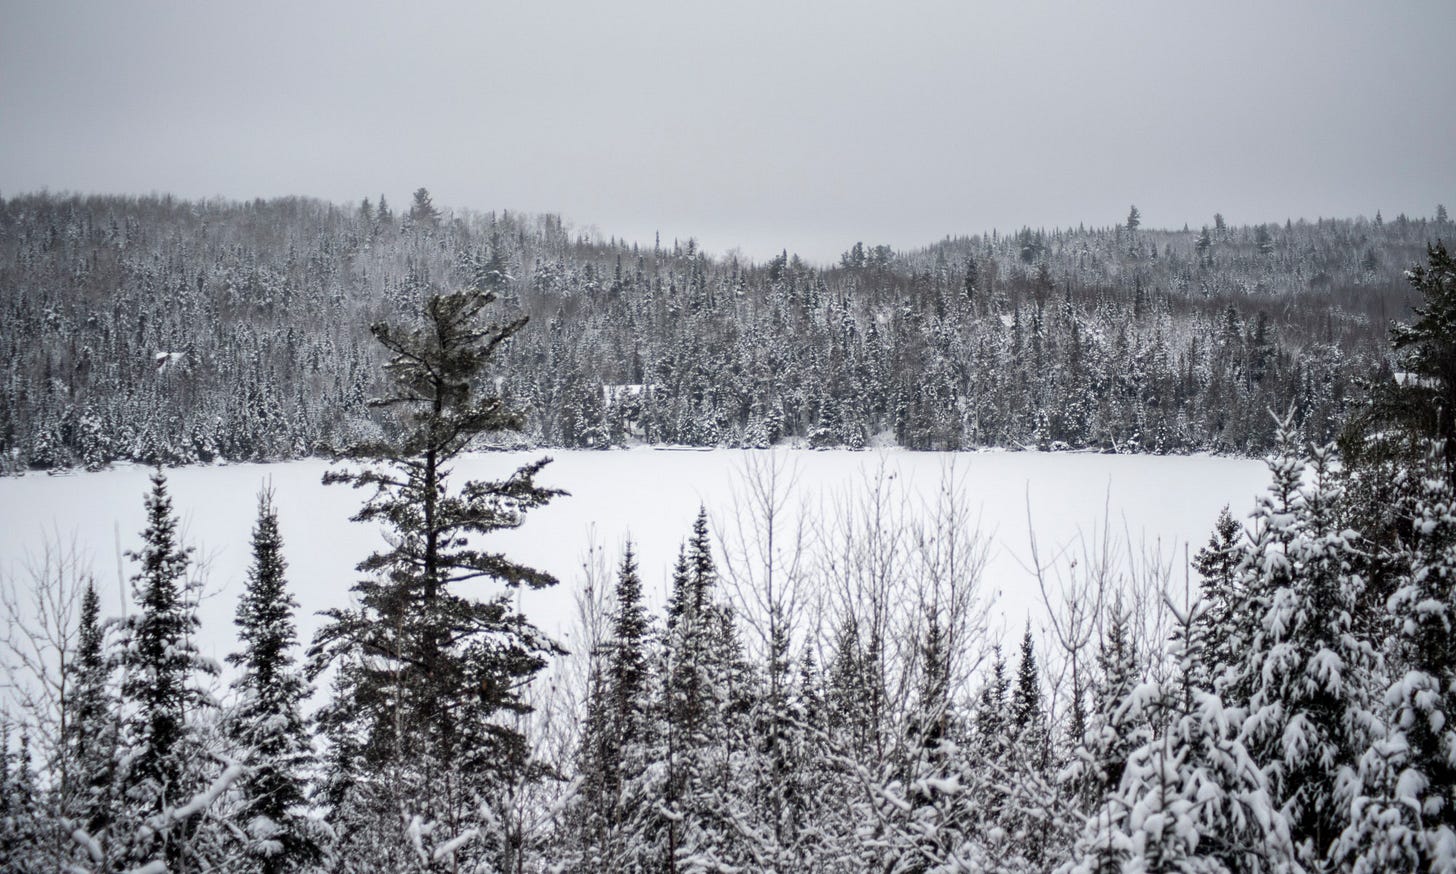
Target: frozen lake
x,y
651,495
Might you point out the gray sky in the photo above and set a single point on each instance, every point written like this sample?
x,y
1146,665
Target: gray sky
x,y
756,125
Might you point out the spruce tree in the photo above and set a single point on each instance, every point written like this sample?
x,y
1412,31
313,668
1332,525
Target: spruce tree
x,y
990,738
616,731
431,668
1189,796
1028,719
161,669
1113,737
1217,566
90,735
629,660
1310,669
705,679
1418,405
1263,569
267,725
1029,811
631,684
20,807
1403,817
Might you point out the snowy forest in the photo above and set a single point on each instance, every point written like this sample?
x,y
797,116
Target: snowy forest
x,y
167,331
840,708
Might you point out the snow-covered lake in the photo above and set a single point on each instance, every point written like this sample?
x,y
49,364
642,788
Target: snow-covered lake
x,y
651,495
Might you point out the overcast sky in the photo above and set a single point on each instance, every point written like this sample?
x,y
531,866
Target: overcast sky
x,y
750,125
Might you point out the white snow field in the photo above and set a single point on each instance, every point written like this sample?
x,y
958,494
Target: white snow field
x,y
650,494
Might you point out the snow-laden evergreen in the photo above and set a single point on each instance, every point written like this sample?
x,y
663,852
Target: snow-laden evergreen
x,y
1311,666
1404,815
163,762
266,725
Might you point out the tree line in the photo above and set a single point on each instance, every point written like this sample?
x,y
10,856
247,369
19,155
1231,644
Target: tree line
x,y
166,331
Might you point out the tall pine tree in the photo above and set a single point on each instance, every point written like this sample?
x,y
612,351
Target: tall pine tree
x,y
161,765
429,667
91,730
267,726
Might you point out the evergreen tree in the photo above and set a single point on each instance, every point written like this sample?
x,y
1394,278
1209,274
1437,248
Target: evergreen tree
x,y
422,210
21,847
1263,569
1310,669
616,734
267,725
1403,818
1217,566
705,707
1028,719
1426,348
431,669
90,734
1189,797
1028,820
1111,740
971,285
161,666
629,665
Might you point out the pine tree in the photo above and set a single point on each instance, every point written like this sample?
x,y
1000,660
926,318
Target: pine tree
x,y
90,734
1404,815
1427,350
1028,817
268,725
161,668
422,210
616,733
1217,566
1310,669
431,669
705,705
1189,797
1028,719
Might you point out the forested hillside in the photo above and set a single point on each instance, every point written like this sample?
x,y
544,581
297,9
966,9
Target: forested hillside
x,y
169,331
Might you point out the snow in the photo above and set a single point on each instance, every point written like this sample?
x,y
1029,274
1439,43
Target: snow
x,y
652,496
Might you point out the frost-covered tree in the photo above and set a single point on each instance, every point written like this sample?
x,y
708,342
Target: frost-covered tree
x,y
1403,818
273,742
1414,405
1031,793
1310,665
618,730
1099,760
1190,797
161,768
705,703
89,742
429,667
1217,566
